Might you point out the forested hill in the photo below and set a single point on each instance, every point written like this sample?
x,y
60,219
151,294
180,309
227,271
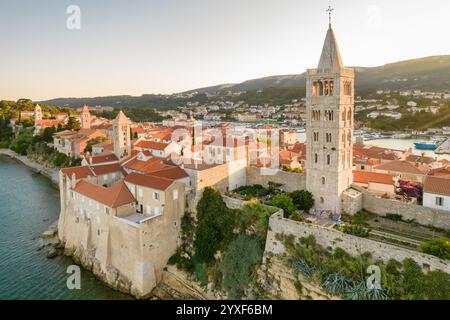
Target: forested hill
x,y
427,74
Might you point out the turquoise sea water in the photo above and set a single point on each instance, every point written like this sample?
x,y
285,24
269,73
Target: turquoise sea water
x,y
28,205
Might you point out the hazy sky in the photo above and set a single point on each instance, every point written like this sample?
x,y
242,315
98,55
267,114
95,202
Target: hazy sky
x,y
165,46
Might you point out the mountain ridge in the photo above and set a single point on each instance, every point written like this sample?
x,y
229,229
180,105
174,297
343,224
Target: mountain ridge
x,y
427,73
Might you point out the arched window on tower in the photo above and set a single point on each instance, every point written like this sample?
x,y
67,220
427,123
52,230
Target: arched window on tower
x,y
328,159
320,88
344,115
316,158
331,88
349,116
328,137
326,88
315,89
324,180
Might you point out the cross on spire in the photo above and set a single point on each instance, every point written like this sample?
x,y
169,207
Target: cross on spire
x,y
330,11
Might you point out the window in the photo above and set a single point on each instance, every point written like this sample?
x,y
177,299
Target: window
x,y
322,200
175,194
106,210
155,195
316,136
439,201
363,168
329,115
316,158
328,159
323,180
328,137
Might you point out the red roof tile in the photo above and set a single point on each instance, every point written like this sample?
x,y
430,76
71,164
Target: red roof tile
x,y
116,196
148,181
437,185
366,177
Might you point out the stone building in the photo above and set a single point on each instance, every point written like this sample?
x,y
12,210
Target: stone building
x,y
122,135
329,127
85,118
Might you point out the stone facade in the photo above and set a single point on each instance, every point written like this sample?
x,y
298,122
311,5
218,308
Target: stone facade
x,y
422,215
290,181
352,202
126,250
352,244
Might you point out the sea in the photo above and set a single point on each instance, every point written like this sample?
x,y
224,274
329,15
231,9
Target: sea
x,y
29,203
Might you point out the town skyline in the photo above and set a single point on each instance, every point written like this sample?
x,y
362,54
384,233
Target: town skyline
x,y
179,53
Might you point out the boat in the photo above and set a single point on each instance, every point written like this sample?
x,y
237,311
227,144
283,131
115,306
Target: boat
x,y
426,145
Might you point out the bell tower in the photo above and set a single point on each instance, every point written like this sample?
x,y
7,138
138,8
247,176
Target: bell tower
x,y
85,118
122,135
329,127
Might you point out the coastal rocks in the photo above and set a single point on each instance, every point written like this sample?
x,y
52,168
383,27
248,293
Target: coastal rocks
x,y
50,239
109,275
176,285
280,283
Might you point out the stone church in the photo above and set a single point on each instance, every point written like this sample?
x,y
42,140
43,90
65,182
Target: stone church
x,y
329,127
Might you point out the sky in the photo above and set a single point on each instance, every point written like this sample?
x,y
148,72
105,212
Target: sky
x,y
139,47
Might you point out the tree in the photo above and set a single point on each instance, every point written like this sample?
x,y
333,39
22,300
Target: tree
x,y
47,134
91,142
239,263
22,142
303,200
284,202
215,224
439,247
73,124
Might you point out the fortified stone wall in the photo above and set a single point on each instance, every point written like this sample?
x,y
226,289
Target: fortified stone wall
x,y
352,244
290,181
422,215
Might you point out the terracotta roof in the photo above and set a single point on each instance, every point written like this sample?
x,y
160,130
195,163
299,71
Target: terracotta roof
x,y
366,161
116,196
151,145
50,123
366,177
437,185
148,181
80,172
173,173
416,158
440,172
403,166
108,168
103,158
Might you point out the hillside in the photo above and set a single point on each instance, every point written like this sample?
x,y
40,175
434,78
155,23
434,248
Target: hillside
x,y
428,74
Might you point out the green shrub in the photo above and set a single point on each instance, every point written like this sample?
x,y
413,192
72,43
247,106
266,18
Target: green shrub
x,y
215,223
238,265
439,247
394,217
284,202
302,199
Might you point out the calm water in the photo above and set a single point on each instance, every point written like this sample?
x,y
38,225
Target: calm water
x,y
28,205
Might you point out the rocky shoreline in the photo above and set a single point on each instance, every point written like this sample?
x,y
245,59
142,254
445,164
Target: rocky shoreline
x,y
50,173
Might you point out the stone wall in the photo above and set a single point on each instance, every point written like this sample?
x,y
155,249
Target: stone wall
x,y
290,181
352,244
422,215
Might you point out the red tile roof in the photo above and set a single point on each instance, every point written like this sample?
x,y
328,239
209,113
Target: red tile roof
x,y
108,168
366,177
144,144
116,196
103,158
173,173
80,172
437,185
148,181
404,167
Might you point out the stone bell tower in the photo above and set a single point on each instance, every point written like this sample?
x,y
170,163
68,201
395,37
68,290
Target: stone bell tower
x,y
85,118
122,136
329,127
